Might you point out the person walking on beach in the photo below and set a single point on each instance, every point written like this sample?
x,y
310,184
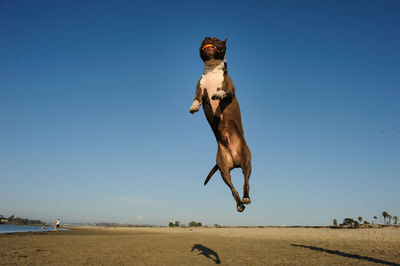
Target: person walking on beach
x,y
57,224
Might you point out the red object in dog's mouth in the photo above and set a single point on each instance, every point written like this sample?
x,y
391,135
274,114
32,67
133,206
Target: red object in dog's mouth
x,y
211,46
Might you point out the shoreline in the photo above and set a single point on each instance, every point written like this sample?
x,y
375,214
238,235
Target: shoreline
x,y
14,229
202,229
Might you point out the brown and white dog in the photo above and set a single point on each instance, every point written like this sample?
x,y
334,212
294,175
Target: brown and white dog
x,y
216,92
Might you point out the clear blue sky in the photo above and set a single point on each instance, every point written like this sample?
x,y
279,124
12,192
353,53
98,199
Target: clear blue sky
x,y
94,101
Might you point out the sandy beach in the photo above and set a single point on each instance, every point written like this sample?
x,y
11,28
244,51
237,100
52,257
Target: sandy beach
x,y
203,246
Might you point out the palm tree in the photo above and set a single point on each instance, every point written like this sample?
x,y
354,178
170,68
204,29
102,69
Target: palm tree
x,y
395,218
384,214
390,218
375,218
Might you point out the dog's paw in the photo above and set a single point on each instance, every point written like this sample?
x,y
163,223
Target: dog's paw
x,y
246,201
193,110
240,208
195,107
219,95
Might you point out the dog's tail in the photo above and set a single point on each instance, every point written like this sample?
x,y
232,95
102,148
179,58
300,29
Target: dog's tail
x,y
212,172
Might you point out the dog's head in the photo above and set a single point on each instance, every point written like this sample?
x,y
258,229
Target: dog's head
x,y
212,48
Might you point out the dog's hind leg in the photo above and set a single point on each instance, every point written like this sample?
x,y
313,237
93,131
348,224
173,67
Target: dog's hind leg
x,y
246,187
225,165
226,176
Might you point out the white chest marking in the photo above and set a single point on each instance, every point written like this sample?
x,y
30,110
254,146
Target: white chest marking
x,y
211,80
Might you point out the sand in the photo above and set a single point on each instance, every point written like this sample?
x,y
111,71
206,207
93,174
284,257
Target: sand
x,y
203,246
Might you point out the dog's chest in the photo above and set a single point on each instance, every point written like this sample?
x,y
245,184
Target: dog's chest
x,y
212,81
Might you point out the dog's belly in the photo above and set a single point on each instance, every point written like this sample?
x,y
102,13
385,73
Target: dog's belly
x,y
231,152
212,81
233,140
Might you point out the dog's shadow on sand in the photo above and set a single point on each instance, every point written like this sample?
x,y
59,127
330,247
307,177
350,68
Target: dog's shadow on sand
x,y
348,255
207,252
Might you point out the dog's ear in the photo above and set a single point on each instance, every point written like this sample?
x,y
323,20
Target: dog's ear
x,y
225,41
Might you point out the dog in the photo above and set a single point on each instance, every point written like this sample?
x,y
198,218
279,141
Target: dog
x,y
216,93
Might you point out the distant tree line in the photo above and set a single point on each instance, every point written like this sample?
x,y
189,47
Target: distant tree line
x,y
191,224
350,222
18,221
196,224
106,224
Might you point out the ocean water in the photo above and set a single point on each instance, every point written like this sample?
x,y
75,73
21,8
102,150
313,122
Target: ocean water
x,y
6,228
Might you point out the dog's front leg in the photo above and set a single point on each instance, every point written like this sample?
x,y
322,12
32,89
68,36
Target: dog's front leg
x,y
227,90
197,100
